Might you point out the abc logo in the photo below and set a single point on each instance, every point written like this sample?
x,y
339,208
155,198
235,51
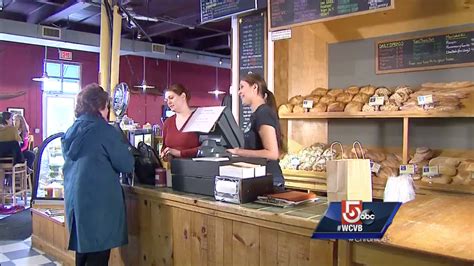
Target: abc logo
x,y
367,217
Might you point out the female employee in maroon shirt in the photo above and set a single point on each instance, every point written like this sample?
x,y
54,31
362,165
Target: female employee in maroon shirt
x,y
177,143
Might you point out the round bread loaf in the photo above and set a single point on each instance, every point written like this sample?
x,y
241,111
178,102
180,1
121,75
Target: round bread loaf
x,y
336,107
382,91
335,92
368,108
319,108
298,99
344,98
445,161
389,107
327,99
353,90
369,90
313,98
285,109
361,98
319,92
353,107
298,109
404,89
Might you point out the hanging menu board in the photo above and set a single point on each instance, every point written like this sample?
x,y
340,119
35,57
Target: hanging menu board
x,y
423,53
284,13
251,53
218,9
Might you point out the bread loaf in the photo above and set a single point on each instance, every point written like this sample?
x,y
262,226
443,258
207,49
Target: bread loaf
x,y
361,98
336,107
298,109
319,92
368,108
389,107
437,180
353,90
422,154
447,170
344,98
445,161
390,163
369,90
285,109
449,85
382,91
464,176
335,92
296,100
404,89
313,98
353,107
386,172
327,99
319,108
375,156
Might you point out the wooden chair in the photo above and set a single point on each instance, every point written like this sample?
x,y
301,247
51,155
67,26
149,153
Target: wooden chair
x,y
20,182
31,142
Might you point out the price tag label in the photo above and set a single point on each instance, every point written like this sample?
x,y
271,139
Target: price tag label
x,y
430,170
308,104
407,169
376,101
374,167
425,99
295,162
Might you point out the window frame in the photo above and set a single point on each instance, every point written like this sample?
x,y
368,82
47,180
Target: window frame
x,y
62,78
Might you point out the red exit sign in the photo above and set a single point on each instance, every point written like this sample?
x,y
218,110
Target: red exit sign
x,y
65,55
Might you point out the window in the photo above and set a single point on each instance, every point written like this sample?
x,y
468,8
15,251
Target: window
x,y
63,78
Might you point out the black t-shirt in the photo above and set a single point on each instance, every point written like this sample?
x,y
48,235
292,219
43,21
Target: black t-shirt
x,y
264,115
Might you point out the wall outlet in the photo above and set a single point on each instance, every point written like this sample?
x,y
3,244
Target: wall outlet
x,y
37,130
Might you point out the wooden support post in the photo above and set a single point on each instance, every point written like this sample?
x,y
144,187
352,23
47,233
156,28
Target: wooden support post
x,y
405,154
104,64
115,60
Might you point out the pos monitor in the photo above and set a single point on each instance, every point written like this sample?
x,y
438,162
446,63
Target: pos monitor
x,y
224,133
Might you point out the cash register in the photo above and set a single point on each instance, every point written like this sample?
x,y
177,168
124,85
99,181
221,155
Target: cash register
x,y
197,175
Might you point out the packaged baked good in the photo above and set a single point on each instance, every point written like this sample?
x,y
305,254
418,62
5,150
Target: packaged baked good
x,y
319,92
298,99
344,98
361,98
335,92
336,107
285,109
353,107
353,90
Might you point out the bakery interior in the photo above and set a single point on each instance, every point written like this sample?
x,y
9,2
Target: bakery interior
x,y
335,79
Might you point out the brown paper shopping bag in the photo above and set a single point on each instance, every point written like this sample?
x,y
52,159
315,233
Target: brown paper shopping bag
x,y
348,179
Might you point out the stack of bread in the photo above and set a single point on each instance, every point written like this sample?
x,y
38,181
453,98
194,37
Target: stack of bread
x,y
421,158
465,174
312,158
446,96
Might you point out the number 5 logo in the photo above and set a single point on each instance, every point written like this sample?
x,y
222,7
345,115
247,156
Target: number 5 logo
x,y
350,212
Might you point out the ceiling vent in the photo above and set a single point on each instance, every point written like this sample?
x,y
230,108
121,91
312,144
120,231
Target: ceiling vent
x,y
158,48
50,32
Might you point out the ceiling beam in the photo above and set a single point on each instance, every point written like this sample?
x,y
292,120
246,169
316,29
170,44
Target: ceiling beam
x,y
173,25
206,37
71,7
51,2
41,13
217,47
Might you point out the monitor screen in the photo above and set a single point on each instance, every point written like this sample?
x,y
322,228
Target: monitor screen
x,y
226,131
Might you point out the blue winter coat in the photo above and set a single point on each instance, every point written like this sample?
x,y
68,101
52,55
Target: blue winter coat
x,y
94,154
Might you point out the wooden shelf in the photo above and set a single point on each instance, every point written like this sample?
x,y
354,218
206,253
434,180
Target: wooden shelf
x,y
377,114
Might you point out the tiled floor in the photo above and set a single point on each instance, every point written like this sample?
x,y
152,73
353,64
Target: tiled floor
x,y
21,253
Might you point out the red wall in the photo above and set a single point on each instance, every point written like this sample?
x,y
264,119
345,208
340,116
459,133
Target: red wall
x,y
19,63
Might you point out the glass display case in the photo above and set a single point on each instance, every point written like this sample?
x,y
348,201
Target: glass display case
x,y
48,175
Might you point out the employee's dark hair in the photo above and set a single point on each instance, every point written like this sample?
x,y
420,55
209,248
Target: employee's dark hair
x,y
179,89
5,117
91,99
255,79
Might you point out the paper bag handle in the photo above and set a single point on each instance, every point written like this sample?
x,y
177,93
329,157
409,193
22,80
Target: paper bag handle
x,y
332,149
357,143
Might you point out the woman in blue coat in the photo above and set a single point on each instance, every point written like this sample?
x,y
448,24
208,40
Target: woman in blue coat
x,y
94,156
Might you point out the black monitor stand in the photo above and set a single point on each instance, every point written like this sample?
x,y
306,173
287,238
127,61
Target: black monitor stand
x,y
211,146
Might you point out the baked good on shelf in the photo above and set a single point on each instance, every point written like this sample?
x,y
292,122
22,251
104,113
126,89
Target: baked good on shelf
x,y
368,108
449,85
447,108
422,154
390,106
361,98
403,89
285,109
344,97
390,162
335,92
353,107
382,91
353,90
313,98
327,99
336,107
399,98
386,172
464,175
319,92
445,161
369,90
298,109
295,100
319,108
443,179
375,156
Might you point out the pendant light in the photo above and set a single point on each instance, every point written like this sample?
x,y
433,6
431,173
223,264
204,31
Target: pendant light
x,y
216,90
44,77
144,86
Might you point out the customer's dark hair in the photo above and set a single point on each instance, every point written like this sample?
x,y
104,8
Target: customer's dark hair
x,y
91,99
5,117
180,89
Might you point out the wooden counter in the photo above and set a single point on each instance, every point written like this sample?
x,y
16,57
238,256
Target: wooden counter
x,y
174,228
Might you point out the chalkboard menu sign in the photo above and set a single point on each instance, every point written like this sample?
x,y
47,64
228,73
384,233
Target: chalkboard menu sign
x,y
429,52
218,9
251,53
284,13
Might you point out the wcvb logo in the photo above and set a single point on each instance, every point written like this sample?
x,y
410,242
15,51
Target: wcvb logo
x,y
353,213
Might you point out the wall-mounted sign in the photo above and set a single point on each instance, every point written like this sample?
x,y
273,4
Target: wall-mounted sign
x,y
65,55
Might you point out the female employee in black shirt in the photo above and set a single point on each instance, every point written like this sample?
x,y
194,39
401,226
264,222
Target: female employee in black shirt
x,y
262,134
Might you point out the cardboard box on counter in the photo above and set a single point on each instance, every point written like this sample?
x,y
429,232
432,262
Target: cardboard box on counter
x,y
242,170
242,190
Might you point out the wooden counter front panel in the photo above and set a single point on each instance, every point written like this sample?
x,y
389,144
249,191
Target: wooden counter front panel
x,y
163,235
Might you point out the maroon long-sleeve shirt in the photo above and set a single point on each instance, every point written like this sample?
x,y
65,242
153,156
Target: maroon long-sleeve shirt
x,y
186,142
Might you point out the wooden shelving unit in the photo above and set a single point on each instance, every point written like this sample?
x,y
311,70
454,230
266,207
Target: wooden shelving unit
x,y
376,115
